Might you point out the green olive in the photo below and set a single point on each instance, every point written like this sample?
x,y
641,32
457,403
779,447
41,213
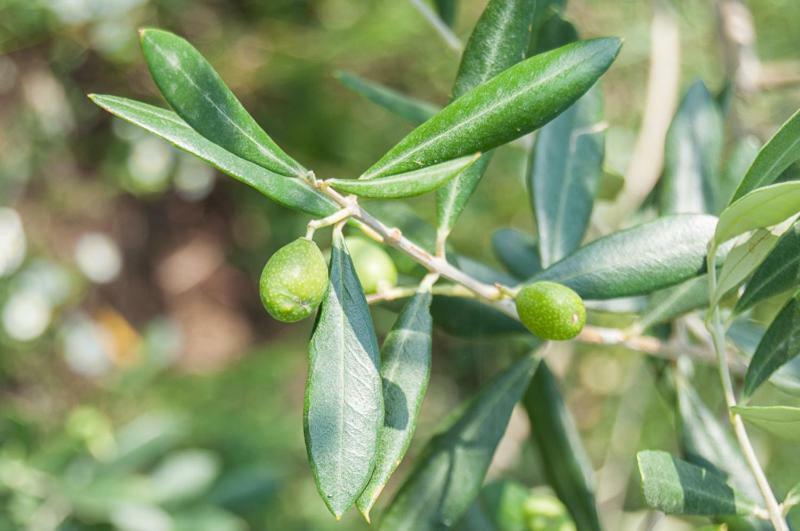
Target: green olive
x,y
294,281
550,310
374,266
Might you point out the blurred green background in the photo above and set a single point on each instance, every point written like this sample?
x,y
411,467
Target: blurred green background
x,y
142,387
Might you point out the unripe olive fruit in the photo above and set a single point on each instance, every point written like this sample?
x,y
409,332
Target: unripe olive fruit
x,y
374,266
551,310
294,281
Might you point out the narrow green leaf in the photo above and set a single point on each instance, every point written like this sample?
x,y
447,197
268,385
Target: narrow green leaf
x,y
763,207
447,11
501,506
551,31
405,369
747,335
343,412
667,304
692,154
498,41
741,156
677,487
292,193
510,105
199,96
781,421
409,184
742,260
480,271
565,462
779,272
517,251
471,318
565,169
638,260
448,475
780,344
777,154
411,109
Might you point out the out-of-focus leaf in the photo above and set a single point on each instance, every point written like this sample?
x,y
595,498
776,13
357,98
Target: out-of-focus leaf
x,y
199,96
517,251
447,11
777,154
409,184
747,335
610,185
292,193
510,105
499,507
677,487
779,272
480,271
566,165
741,156
638,260
667,304
448,475
693,147
763,207
411,109
566,465
498,41
552,32
781,421
743,260
343,413
472,318
405,370
780,344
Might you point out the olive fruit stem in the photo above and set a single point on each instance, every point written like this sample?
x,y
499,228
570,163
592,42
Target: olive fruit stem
x,y
333,219
715,328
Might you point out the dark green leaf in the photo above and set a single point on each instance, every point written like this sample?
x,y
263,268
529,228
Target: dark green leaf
x,y
411,109
498,41
343,406
780,344
637,261
692,154
292,193
199,96
782,421
779,272
566,165
409,184
777,154
510,105
517,251
677,487
667,304
499,507
448,475
447,11
566,465
747,335
742,260
552,32
760,208
405,370
480,271
472,318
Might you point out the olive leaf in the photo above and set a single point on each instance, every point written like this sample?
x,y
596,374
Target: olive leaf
x,y
746,335
566,465
742,260
471,318
638,260
517,251
779,272
411,109
448,474
405,370
782,421
667,304
199,96
740,157
510,105
498,41
343,413
692,152
779,345
677,487
500,506
292,193
409,184
447,11
763,207
566,164
777,154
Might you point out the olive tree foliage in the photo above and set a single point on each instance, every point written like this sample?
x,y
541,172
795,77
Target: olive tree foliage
x,y
713,245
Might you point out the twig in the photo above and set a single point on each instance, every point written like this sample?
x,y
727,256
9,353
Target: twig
x,y
441,28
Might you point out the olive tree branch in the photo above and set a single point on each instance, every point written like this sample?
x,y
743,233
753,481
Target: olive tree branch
x,y
715,328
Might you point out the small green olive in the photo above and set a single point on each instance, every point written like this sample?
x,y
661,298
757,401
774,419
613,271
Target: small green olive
x,y
551,310
374,266
294,281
